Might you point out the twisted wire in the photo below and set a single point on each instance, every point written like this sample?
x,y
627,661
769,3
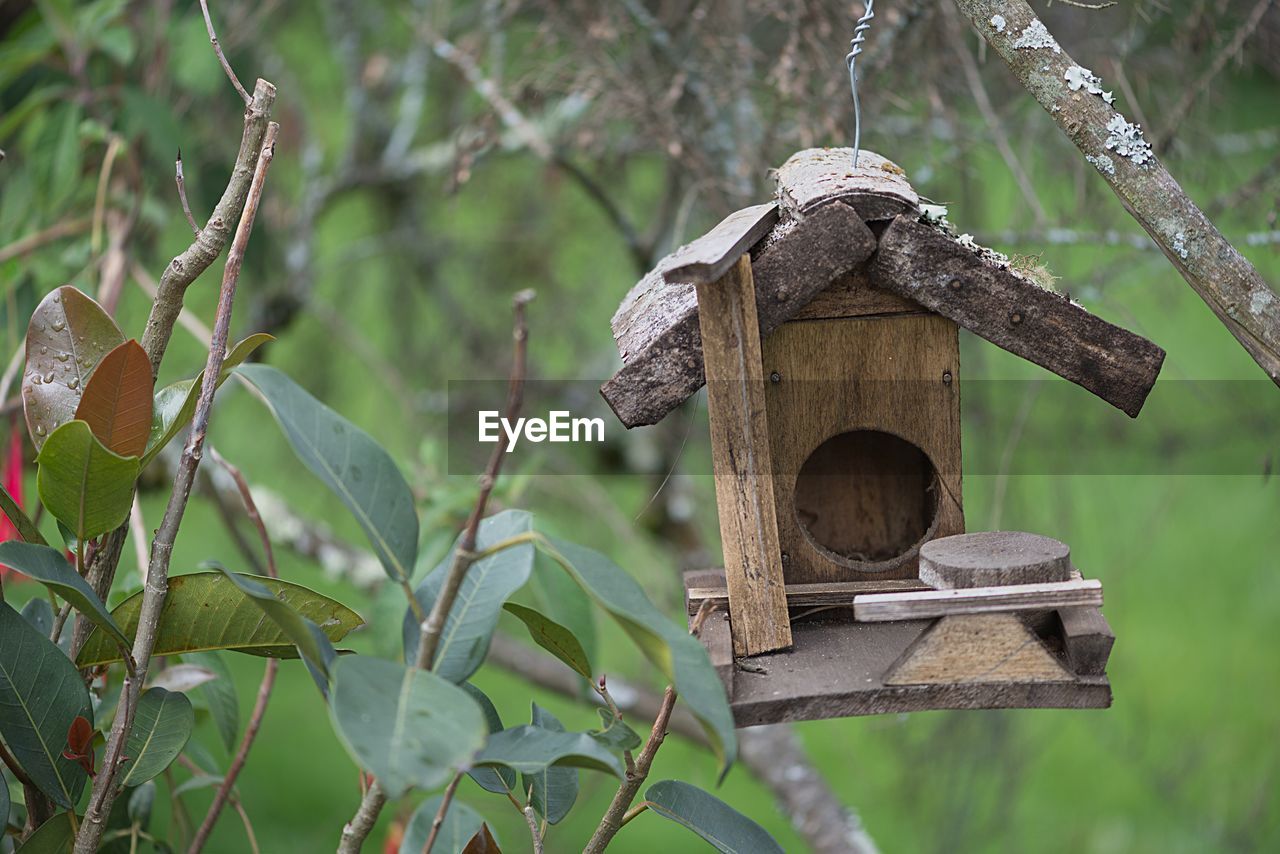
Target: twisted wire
x,y
855,48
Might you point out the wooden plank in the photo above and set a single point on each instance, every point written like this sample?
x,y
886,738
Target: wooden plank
x,y
994,559
921,263
836,669
803,595
977,648
885,607
717,637
877,190
861,510
656,327
742,464
852,295
1087,639
711,255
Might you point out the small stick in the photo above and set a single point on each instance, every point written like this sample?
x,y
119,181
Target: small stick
x,y
182,193
217,49
438,821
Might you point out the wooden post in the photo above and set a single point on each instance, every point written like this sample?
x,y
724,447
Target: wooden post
x,y
742,462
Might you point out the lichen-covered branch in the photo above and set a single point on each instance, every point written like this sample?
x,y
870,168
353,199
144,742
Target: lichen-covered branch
x,y
1231,286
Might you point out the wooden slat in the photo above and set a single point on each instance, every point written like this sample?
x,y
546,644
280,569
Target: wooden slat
x,y
805,595
852,295
877,190
883,607
1088,639
711,255
656,327
921,263
742,464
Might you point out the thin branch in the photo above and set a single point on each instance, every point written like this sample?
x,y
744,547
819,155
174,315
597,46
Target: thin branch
x,y
222,796
531,819
222,59
357,829
1230,285
182,194
39,239
438,821
157,587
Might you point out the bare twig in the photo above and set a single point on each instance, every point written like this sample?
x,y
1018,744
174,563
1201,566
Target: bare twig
x,y
222,59
157,587
1231,286
36,240
182,193
221,797
438,821
531,819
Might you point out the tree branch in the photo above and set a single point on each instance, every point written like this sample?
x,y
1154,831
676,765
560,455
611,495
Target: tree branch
x,y
222,59
1231,286
157,586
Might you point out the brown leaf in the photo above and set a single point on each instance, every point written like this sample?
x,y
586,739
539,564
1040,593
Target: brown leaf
x,y
117,400
482,843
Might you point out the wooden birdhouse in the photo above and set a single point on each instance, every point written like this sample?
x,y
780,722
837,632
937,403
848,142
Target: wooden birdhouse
x,y
825,327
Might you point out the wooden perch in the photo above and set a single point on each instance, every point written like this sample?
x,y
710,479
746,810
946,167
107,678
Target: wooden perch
x,y
924,604
878,189
1231,286
656,327
922,263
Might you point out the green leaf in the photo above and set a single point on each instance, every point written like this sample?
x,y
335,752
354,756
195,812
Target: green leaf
x,y
530,749
711,818
196,783
614,732
41,693
553,789
206,610
175,404
461,823
161,727
350,463
487,585
294,626
26,528
407,727
68,335
84,485
51,569
496,780
55,836
675,652
39,613
183,677
141,801
553,637
4,802
559,597
117,400
220,696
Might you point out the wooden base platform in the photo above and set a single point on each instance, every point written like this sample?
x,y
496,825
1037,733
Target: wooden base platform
x,y
837,668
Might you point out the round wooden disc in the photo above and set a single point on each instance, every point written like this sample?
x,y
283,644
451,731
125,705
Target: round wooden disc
x,y
993,558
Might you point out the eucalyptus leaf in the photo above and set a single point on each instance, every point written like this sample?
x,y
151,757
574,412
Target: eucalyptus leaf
x,y
82,483
4,802
175,404
117,400
141,800
614,732
26,528
350,463
41,694
183,677
207,611
553,637
486,586
496,780
161,727
715,821
530,749
676,653
51,569
310,643
461,823
68,335
407,727
55,836
196,783
39,613
220,696
552,790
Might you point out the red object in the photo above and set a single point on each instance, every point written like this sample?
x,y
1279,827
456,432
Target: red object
x,y
80,744
13,485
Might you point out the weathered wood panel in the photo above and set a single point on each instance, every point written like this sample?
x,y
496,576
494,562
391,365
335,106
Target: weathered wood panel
x,y
994,558
743,468
899,376
852,295
1087,638
656,326
977,648
878,189
922,604
921,263
714,253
